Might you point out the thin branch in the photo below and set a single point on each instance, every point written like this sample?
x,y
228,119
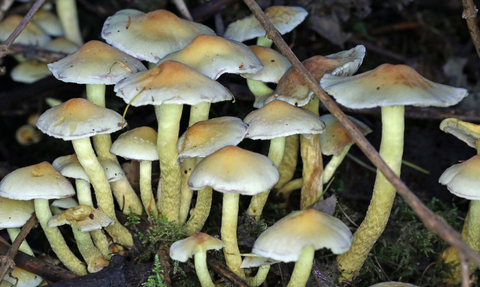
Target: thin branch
x,y
431,220
12,251
470,15
4,47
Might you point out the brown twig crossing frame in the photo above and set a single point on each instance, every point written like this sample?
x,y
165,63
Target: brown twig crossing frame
x,y
431,220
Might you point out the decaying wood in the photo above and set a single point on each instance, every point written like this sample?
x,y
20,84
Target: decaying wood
x,y
163,254
226,273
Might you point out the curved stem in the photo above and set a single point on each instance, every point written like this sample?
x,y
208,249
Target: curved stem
x,y
201,269
93,257
303,267
67,13
275,153
168,117
259,277
289,161
88,160
333,164
122,190
199,112
391,150
146,192
84,196
201,211
56,240
287,189
229,233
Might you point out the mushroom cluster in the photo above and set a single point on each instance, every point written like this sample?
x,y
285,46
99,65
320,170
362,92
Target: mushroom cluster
x,y
185,60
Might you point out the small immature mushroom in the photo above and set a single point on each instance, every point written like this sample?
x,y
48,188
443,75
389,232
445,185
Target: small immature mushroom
x,y
234,171
150,36
84,218
42,182
77,120
140,144
201,140
391,87
336,141
275,121
297,236
284,18
197,245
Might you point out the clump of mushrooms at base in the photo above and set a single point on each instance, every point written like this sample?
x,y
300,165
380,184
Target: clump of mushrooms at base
x,y
185,60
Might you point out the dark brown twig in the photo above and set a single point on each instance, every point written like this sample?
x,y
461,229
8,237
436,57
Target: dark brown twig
x,y
37,53
8,263
431,220
164,257
37,266
225,272
470,15
4,47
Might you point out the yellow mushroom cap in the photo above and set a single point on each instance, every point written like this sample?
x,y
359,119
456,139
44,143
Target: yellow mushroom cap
x,y
14,213
214,56
393,284
150,36
463,179
284,18
96,63
31,35
30,71
335,138
256,261
280,119
78,118
465,131
205,137
138,144
171,83
285,239
293,89
48,22
69,166
274,65
62,45
23,278
390,85
35,181
27,135
235,170
199,242
83,217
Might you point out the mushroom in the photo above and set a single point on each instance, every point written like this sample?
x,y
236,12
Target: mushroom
x,y
297,236
197,245
263,265
233,171
391,87
140,144
13,215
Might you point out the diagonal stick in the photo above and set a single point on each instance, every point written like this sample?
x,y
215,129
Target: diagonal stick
x,y
431,220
